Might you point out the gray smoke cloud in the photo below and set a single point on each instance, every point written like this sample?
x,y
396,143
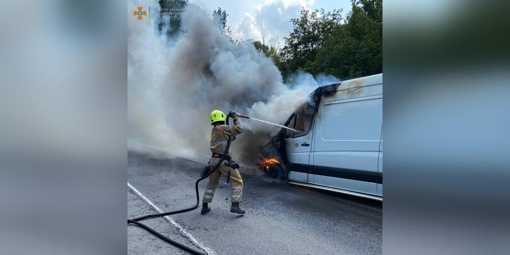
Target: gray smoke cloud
x,y
174,85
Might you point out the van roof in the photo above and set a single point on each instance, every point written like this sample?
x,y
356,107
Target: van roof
x,y
348,89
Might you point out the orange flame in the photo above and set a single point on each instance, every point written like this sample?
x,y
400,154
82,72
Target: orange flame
x,y
266,162
272,160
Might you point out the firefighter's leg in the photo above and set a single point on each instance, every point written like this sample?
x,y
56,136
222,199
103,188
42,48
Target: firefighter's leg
x,y
236,183
237,191
214,180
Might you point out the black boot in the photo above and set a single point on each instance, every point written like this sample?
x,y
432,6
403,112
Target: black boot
x,y
205,208
235,209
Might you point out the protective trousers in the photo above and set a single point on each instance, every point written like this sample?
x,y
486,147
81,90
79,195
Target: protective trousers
x,y
236,183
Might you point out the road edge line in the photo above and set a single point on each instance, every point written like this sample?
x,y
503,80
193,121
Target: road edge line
x,y
179,227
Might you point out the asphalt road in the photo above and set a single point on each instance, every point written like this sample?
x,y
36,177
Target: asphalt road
x,y
280,218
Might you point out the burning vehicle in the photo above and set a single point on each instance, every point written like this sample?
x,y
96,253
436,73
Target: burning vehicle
x,y
339,147
273,158
270,166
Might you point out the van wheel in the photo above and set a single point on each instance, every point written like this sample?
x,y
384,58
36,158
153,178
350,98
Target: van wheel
x,y
276,171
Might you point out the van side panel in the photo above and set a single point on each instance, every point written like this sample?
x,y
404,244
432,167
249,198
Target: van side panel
x,y
380,166
350,126
380,186
346,144
297,176
345,184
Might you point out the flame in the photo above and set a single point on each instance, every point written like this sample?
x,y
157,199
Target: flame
x,y
272,160
266,162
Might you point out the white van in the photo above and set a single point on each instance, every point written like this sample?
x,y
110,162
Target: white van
x,y
340,148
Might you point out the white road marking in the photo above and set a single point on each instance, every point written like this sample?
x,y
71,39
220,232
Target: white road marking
x,y
181,229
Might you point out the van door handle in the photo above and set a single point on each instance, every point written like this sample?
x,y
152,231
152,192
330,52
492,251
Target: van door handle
x,y
305,144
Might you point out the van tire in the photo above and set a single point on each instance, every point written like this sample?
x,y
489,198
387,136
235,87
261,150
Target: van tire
x,y
276,172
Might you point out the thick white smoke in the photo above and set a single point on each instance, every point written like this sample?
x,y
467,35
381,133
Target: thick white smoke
x,y
174,85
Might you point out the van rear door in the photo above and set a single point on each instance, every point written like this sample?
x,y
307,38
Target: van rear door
x,y
299,144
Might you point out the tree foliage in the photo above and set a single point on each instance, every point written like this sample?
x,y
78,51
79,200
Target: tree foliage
x,y
220,19
310,31
170,13
355,48
274,54
321,43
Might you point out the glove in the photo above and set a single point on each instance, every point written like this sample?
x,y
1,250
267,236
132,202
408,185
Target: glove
x,y
233,115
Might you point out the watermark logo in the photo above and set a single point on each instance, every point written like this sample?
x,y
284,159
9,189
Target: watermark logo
x,y
140,12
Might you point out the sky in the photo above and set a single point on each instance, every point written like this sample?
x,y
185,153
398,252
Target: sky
x,y
247,19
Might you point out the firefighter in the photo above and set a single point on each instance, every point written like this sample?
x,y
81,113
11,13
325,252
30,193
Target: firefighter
x,y
219,138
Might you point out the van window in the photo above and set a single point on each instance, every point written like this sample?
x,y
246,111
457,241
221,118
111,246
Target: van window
x,y
359,120
288,132
303,120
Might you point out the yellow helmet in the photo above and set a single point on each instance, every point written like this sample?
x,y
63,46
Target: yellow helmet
x,y
217,115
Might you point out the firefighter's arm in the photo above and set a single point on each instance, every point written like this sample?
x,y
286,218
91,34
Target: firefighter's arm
x,y
236,128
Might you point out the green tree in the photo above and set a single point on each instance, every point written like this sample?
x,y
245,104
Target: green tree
x,y
308,35
269,51
171,13
261,47
355,48
373,9
274,54
220,19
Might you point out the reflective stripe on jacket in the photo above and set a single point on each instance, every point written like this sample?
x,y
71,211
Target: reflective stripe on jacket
x,y
219,136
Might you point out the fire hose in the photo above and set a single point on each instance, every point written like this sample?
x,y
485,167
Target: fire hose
x,y
136,221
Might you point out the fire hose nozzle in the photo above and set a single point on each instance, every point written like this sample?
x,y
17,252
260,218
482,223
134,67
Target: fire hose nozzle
x,y
240,115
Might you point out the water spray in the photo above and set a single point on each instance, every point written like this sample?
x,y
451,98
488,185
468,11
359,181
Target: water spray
x,y
271,123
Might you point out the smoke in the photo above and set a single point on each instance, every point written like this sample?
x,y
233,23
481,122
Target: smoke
x,y
174,85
